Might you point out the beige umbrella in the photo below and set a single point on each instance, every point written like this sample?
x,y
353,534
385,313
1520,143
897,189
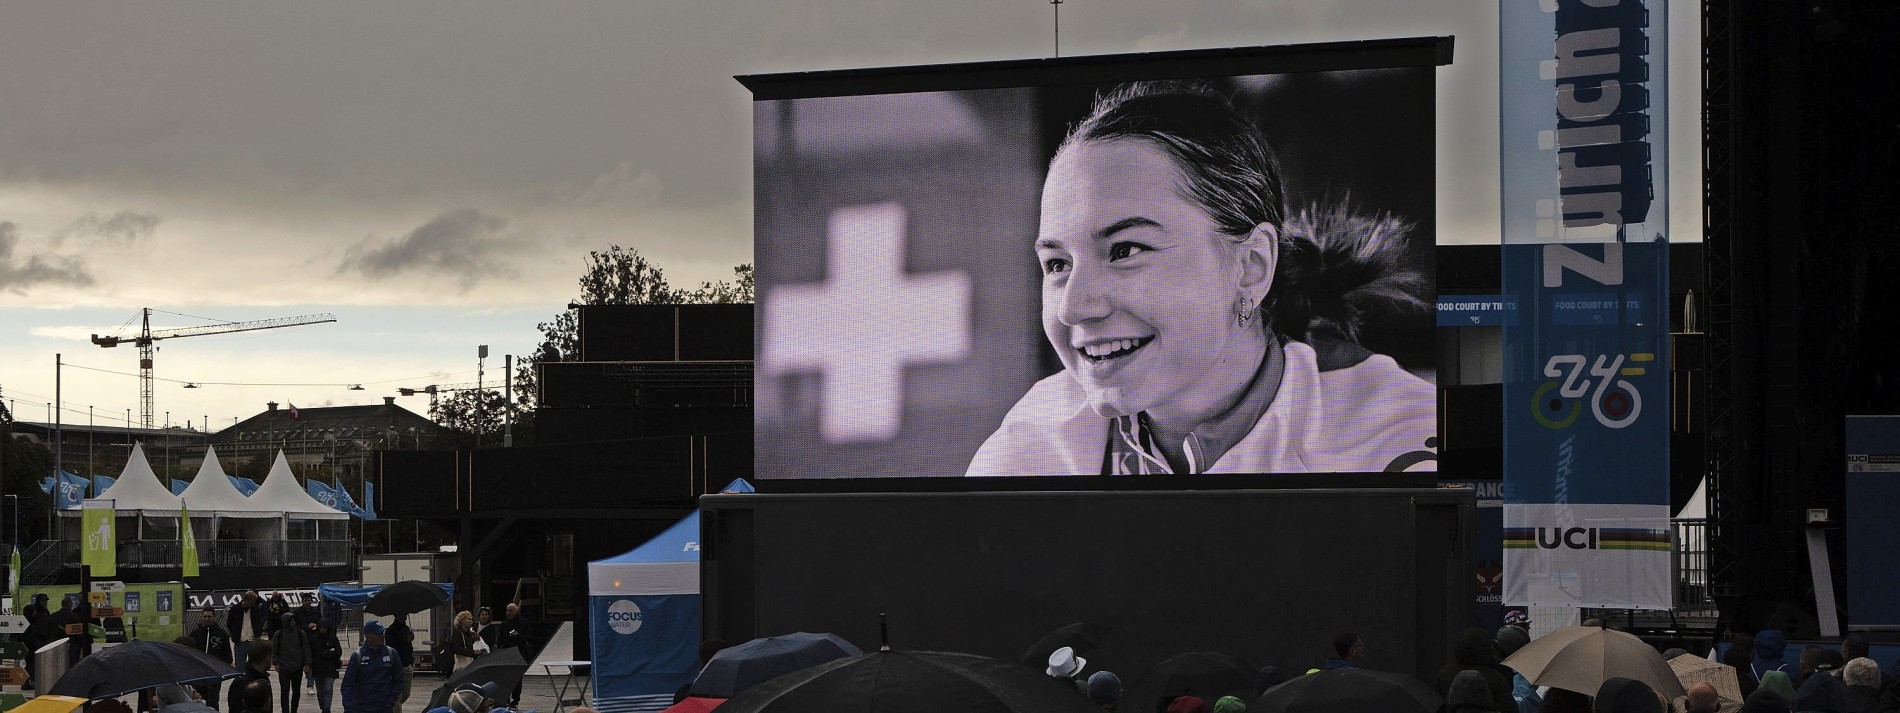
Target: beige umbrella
x,y
1581,658
1691,670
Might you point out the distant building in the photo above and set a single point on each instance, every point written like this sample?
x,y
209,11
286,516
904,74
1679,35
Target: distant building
x,y
321,436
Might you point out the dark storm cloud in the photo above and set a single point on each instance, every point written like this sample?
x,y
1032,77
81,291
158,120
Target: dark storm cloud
x,y
464,244
120,230
42,268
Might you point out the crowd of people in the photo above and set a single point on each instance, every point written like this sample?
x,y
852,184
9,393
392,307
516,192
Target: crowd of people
x,y
1478,680
259,636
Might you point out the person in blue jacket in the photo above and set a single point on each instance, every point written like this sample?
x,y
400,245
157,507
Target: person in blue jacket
x,y
373,679
1770,644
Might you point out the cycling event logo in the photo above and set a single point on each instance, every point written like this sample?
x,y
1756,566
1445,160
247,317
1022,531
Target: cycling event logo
x,y
1576,380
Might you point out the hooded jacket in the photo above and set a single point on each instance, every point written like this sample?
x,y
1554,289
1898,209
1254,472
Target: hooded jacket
x,y
1821,693
291,645
1473,651
1469,693
1770,644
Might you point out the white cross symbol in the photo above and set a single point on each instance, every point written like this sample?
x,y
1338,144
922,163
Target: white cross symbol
x,y
865,322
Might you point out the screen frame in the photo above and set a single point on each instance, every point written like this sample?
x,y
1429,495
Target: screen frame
x,y
1105,69
1423,51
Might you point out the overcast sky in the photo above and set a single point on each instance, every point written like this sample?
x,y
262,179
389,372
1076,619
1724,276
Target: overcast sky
x,y
434,173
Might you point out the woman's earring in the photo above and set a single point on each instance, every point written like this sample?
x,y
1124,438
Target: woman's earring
x,y
1243,311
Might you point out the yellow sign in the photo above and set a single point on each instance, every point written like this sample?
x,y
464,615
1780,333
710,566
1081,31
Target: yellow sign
x,y
98,597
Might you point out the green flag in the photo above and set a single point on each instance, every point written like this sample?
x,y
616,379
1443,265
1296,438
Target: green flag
x,y
100,548
190,546
13,573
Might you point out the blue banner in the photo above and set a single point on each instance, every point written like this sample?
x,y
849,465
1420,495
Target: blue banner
x,y
333,498
369,500
644,645
1584,174
178,486
72,489
245,486
100,483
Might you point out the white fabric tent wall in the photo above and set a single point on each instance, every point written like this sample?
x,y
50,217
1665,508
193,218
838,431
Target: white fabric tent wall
x,y
281,493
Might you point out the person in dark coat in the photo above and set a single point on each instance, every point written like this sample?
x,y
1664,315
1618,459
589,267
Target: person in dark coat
x,y
292,645
1624,695
39,629
58,624
1473,651
373,678
254,672
403,639
1821,693
1855,647
1770,646
215,641
1864,692
1469,693
489,628
1348,650
1563,700
1740,654
326,659
276,608
1765,700
515,634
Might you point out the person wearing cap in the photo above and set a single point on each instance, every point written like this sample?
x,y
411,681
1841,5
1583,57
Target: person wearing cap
x,y
326,661
1517,618
1508,640
374,677
1065,665
1105,689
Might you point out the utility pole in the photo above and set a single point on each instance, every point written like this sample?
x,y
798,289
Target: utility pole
x,y
508,400
1056,5
59,448
481,394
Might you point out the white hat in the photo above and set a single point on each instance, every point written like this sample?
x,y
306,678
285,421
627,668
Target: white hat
x,y
1063,663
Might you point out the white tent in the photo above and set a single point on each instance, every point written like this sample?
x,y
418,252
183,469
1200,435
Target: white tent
x,y
146,510
281,493
138,489
211,492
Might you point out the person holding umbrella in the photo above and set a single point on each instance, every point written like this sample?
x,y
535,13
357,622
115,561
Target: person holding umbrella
x,y
515,634
374,677
403,640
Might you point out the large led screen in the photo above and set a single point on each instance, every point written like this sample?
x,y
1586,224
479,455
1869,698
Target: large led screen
x,y
1151,271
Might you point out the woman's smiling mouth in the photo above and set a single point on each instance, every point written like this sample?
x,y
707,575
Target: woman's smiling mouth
x,y
1112,348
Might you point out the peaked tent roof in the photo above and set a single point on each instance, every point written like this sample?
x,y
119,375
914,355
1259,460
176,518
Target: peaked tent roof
x,y
280,492
138,488
210,491
666,564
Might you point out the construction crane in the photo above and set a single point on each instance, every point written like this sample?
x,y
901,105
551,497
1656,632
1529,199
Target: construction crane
x,y
146,336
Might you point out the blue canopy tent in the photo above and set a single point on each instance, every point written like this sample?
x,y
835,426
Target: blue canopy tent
x,y
356,595
644,621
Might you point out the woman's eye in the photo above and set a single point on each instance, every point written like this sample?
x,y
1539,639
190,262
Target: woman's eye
x,y
1054,265
1123,251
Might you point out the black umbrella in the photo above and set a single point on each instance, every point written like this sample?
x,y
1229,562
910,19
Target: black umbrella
x,y
1207,675
406,597
1080,636
913,682
136,666
502,668
737,668
1349,690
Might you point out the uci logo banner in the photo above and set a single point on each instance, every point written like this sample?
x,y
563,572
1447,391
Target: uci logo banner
x,y
1584,86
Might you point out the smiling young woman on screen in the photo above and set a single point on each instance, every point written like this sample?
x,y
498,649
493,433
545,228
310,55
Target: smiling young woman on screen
x,y
1200,330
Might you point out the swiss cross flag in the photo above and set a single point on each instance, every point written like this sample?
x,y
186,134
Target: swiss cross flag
x,y
294,414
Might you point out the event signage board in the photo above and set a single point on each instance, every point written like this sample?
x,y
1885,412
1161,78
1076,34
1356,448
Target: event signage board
x,y
1873,534
99,543
1585,250
953,282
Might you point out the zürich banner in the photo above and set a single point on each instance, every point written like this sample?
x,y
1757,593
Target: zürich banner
x,y
1583,127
